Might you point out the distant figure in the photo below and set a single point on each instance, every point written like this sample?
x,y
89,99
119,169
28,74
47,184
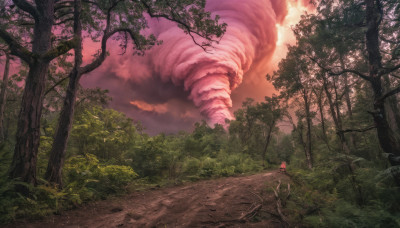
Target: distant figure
x,y
283,167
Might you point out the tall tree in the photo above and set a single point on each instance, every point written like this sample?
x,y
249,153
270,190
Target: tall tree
x,y
38,52
269,113
294,81
3,93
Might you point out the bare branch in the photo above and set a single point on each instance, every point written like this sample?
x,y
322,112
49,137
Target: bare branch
x,y
27,7
64,21
388,94
389,70
16,48
388,41
63,14
64,4
356,130
55,85
394,75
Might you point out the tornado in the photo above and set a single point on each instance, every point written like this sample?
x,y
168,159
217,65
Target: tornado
x,y
210,77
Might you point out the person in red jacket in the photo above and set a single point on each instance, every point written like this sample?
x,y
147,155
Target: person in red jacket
x,y
283,167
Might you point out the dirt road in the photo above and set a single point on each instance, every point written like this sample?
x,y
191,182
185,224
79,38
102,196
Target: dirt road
x,y
210,203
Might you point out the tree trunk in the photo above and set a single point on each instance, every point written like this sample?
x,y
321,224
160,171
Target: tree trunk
x,y
345,146
353,141
308,120
387,139
3,96
23,166
57,153
322,116
348,104
267,140
336,117
393,111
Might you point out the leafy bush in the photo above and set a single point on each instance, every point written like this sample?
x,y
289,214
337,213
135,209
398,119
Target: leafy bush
x,y
86,176
209,167
191,166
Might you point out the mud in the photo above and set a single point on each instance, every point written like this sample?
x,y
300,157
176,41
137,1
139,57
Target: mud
x,y
210,203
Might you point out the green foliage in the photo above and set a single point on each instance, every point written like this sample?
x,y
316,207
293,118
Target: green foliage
x,y
85,175
86,180
254,127
106,133
327,197
40,202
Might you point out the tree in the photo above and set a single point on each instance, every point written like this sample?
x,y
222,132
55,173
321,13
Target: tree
x,y
3,93
39,50
294,81
256,123
269,113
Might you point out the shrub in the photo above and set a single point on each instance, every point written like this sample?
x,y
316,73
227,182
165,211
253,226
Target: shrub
x,y
191,166
209,167
87,178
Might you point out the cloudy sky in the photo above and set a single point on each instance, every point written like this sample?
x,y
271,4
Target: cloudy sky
x,y
177,84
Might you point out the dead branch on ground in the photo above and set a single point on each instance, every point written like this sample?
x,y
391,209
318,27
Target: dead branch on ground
x,y
279,202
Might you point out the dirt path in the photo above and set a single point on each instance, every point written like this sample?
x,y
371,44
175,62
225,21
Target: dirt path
x,y
210,203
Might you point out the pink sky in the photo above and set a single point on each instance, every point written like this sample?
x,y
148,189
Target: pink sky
x,y
177,83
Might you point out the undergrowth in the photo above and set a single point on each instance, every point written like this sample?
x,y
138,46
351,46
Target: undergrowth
x,y
327,197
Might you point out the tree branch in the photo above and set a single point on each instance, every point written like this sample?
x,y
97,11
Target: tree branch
x,y
356,130
55,85
61,49
363,76
185,26
100,59
16,48
61,5
388,94
64,21
27,7
388,41
389,70
107,34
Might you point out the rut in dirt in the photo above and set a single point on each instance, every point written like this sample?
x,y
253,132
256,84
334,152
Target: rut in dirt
x,y
245,201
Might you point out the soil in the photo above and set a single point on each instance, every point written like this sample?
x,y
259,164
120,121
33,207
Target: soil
x,y
224,202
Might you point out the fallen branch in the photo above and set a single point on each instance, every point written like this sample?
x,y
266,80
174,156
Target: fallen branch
x,y
287,196
251,213
357,130
259,197
279,203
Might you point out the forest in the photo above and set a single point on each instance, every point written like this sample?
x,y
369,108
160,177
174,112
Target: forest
x,y
334,117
